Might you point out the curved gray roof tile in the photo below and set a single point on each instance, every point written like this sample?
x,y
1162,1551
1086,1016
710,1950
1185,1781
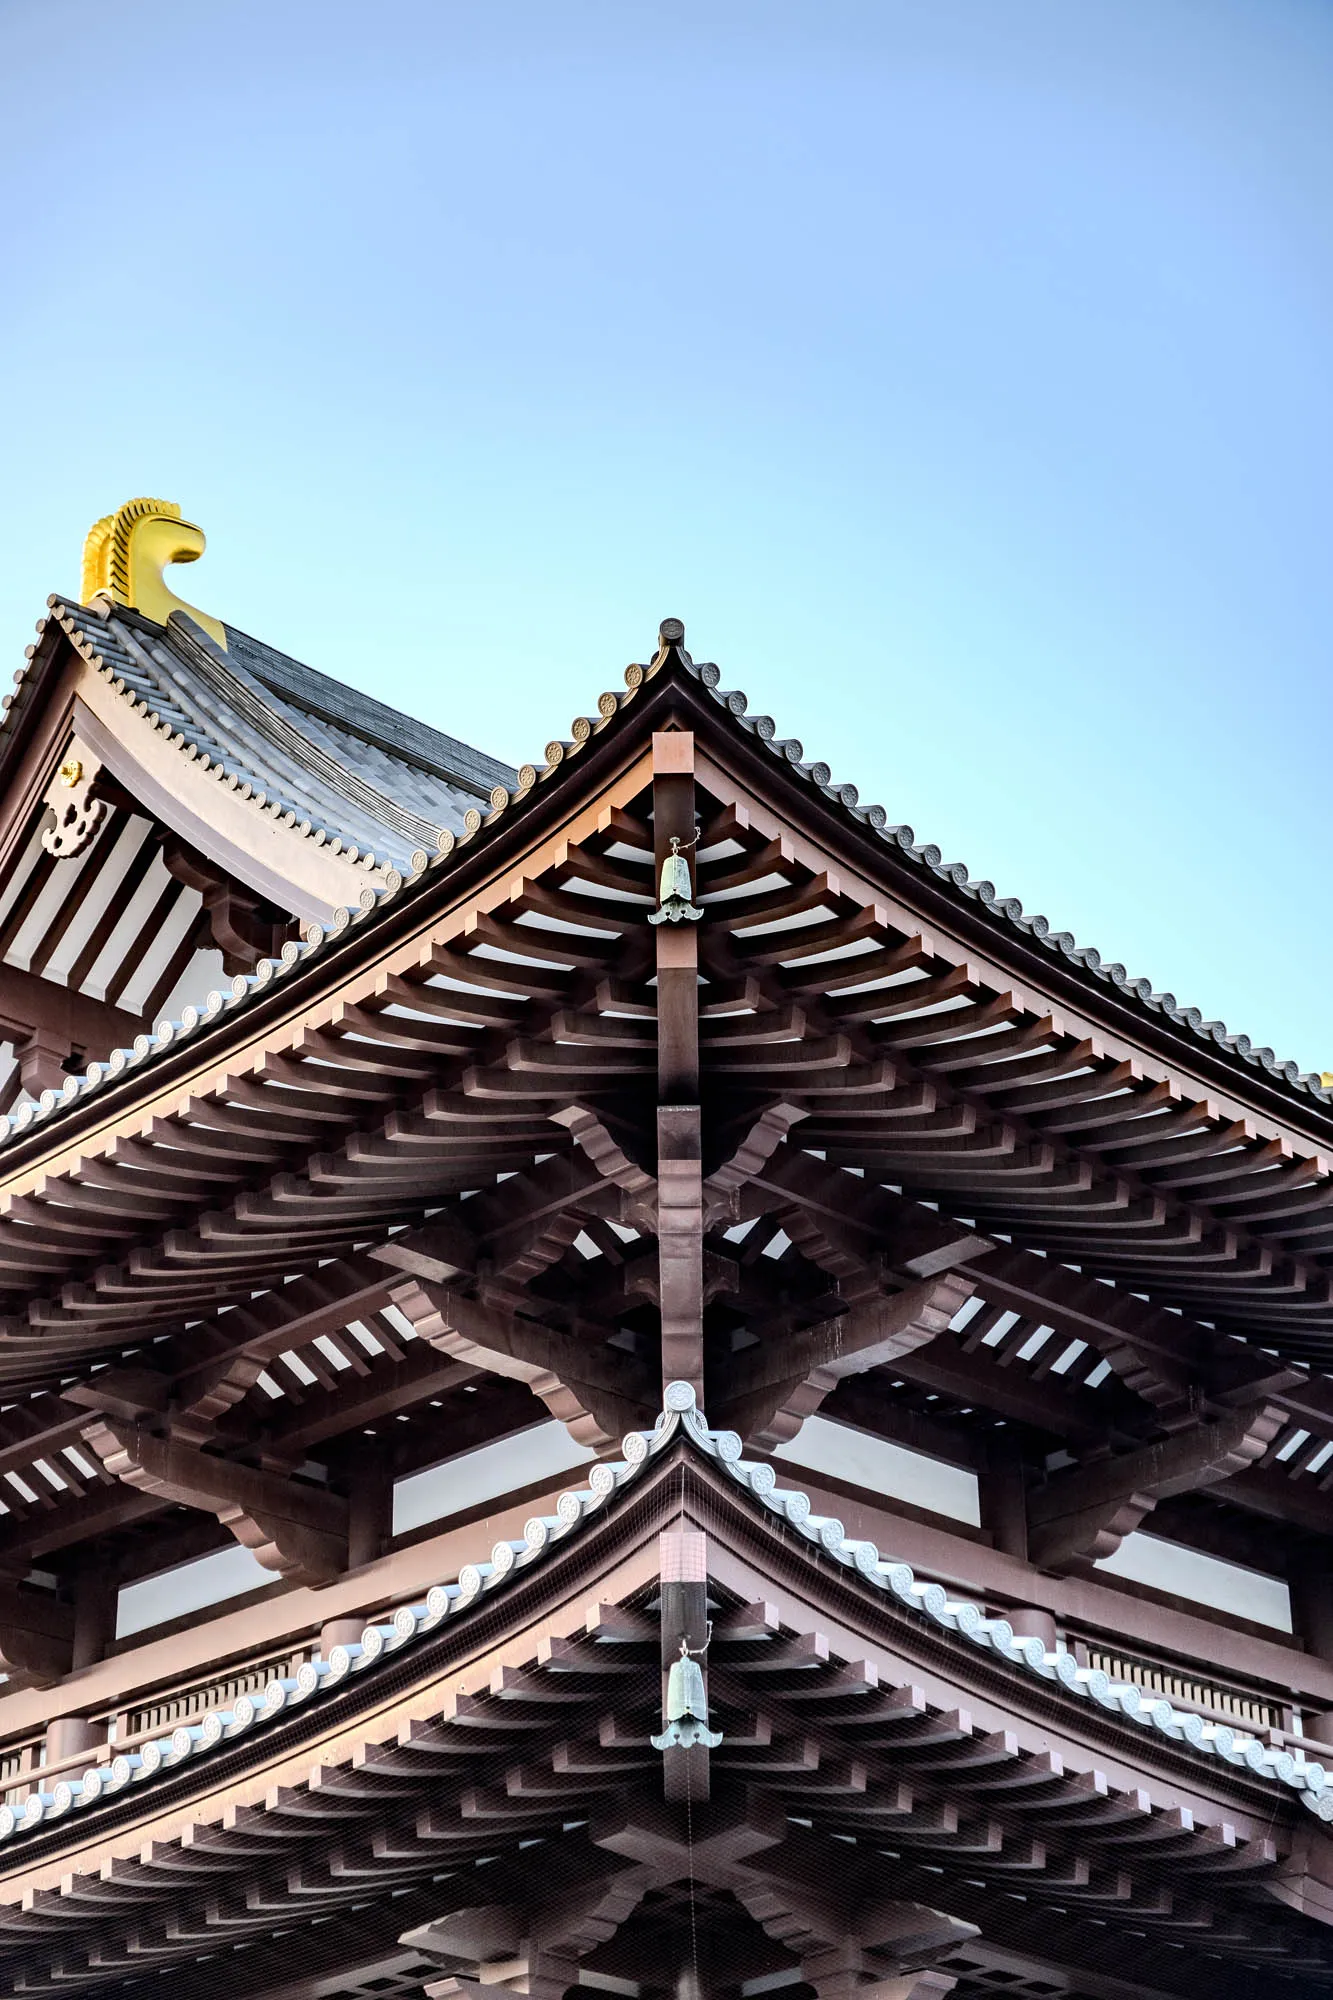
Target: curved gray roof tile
x,y
335,785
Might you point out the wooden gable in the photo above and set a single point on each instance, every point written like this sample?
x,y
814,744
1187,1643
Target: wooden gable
x,y
172,811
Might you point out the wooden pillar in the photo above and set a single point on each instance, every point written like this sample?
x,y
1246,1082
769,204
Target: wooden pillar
x,y
1312,1616
369,1503
95,1590
1031,1622
369,1482
66,1735
679,1140
677,944
1002,1490
683,1553
1002,1493
1312,1608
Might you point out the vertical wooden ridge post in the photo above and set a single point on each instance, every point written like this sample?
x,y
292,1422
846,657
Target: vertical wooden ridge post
x,y
677,944
679,1143
680,1246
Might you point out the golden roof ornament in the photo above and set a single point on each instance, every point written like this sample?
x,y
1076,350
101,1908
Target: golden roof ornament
x,y
674,892
126,553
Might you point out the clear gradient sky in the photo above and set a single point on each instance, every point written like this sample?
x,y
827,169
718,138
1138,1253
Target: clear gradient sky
x,y
957,369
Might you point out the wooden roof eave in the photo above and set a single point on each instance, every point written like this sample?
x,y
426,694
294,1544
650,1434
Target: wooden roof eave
x,y
362,943
1040,973
671,692
763,1548
459,1706
609,755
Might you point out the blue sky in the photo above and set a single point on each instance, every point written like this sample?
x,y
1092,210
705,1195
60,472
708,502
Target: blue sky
x,y
958,372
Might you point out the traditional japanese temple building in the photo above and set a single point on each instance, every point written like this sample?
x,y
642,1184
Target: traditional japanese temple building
x,y
614,1379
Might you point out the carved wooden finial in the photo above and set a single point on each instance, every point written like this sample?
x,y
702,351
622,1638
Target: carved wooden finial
x,y
125,555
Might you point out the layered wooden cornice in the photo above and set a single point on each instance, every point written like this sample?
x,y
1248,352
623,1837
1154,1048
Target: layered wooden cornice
x,y
497,1147
477,1782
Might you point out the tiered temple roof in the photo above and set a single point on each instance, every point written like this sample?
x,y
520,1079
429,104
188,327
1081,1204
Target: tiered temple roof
x,y
371,1104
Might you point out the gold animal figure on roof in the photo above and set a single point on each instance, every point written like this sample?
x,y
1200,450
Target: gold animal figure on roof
x,y
125,555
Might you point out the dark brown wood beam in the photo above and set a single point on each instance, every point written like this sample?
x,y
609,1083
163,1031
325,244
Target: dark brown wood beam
x,y
441,1249
1085,1513
767,1392
679,1134
866,1403
865,1220
324,1415
1268,1492
1081,1417
1159,1356
676,943
597,1395
73,1519
29,1003
293,1528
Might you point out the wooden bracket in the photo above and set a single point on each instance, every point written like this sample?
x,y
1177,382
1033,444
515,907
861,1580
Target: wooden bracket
x,y
36,1635
297,1530
592,1392
768,1391
1084,1514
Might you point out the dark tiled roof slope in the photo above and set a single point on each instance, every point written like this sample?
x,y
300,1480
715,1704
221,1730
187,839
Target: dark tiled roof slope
x,y
331,784
372,721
